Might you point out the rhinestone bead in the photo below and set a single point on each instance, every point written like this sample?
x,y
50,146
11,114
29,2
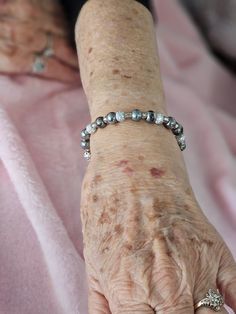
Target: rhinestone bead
x,y
181,138
87,155
159,118
84,134
100,122
111,118
85,144
91,128
136,115
120,116
150,117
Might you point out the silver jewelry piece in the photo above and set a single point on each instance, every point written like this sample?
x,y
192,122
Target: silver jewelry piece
x,y
135,115
39,64
213,299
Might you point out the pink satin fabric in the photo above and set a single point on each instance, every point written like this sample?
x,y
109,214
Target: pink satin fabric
x,y
41,167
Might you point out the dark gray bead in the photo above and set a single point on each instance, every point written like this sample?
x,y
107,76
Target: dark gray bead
x,y
111,118
169,123
84,134
85,144
166,119
100,122
178,130
172,122
136,115
150,117
182,146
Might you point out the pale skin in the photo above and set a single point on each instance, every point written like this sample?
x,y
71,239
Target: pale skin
x,y
148,246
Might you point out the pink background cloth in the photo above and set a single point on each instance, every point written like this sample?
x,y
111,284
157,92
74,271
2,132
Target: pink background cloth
x,y
41,167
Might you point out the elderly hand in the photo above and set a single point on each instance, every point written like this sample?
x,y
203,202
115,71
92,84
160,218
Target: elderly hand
x,y
148,246
24,25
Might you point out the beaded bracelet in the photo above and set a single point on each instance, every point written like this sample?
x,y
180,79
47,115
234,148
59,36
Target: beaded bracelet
x,y
135,115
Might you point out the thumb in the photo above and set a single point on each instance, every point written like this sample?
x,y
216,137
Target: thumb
x,y
97,303
227,279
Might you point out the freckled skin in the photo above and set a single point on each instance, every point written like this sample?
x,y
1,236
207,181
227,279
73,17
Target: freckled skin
x,y
122,162
157,173
154,262
90,50
128,170
97,178
95,198
104,218
119,229
141,157
115,71
127,76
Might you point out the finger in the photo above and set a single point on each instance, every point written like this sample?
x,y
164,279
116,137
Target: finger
x,y
64,52
227,279
97,303
205,310
131,308
54,69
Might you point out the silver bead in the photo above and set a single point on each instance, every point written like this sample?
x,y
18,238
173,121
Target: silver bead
x,y
84,134
100,122
111,118
87,155
159,118
136,115
105,119
85,144
120,116
91,128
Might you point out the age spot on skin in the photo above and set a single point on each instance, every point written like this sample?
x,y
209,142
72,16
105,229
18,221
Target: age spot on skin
x,y
90,50
127,76
128,170
113,210
95,198
157,173
116,58
141,157
105,250
119,229
104,218
115,71
97,178
91,73
122,162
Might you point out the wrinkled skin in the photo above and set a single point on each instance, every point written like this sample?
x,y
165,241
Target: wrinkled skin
x,y
24,25
148,245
